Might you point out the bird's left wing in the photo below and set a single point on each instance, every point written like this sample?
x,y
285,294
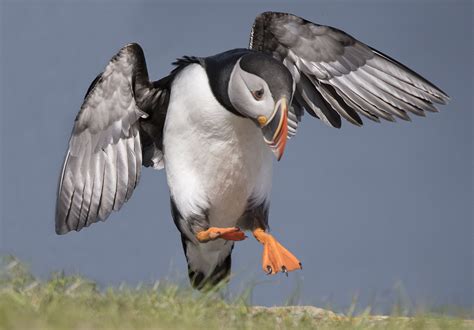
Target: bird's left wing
x,y
338,76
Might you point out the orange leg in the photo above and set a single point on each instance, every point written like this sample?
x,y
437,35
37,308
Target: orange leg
x,y
230,234
275,257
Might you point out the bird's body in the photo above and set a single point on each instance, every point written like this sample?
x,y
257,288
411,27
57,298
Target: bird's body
x,y
213,124
217,170
214,173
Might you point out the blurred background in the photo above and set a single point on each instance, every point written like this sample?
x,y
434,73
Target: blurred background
x,y
378,213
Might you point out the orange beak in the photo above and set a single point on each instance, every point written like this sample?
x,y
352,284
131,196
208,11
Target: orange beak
x,y
275,130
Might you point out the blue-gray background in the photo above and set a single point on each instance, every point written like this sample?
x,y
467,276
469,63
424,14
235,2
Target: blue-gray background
x,y
365,209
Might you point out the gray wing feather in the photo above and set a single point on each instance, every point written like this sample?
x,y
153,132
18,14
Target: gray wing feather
x,y
295,113
103,163
339,76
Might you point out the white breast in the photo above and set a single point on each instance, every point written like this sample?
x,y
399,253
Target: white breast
x,y
215,161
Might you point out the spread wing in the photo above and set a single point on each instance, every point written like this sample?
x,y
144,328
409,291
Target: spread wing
x,y
104,159
338,76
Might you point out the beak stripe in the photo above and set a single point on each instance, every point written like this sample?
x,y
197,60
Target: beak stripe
x,y
278,141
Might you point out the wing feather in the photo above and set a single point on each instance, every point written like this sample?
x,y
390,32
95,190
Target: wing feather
x,y
132,167
109,183
313,102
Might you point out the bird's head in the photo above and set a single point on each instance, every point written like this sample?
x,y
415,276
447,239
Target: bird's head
x,y
261,89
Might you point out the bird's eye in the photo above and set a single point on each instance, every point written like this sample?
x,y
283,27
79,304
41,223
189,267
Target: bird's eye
x,y
258,94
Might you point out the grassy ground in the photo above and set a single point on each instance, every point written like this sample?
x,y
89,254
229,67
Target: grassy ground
x,y
70,302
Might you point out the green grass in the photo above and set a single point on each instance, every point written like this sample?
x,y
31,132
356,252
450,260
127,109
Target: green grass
x,y
72,302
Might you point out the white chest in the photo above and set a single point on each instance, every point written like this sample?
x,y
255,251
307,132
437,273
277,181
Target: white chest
x,y
215,161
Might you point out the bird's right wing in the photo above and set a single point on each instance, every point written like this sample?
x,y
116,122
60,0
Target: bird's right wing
x,y
104,159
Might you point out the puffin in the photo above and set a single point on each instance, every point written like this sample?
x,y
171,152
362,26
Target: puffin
x,y
215,125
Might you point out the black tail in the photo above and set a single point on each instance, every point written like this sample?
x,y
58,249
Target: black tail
x,y
203,271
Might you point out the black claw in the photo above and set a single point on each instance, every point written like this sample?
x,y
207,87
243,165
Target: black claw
x,y
301,266
269,270
283,269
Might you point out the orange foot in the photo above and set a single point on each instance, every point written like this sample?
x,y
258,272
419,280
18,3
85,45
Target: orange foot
x,y
275,257
230,234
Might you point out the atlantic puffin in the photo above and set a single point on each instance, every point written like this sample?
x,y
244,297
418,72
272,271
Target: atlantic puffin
x,y
214,123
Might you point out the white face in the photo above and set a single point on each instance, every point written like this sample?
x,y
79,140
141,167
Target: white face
x,y
249,94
